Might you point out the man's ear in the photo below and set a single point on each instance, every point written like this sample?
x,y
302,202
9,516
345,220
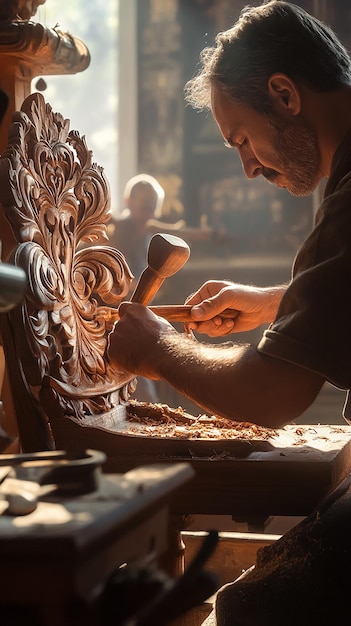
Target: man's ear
x,y
285,94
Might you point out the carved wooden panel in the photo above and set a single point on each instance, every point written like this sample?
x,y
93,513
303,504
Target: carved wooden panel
x,y
57,201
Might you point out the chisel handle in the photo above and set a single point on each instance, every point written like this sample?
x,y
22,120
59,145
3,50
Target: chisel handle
x,y
181,312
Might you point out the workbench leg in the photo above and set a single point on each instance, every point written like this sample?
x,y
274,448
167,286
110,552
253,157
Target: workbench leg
x,y
172,561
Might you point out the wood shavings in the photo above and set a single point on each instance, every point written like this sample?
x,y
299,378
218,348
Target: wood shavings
x,y
160,420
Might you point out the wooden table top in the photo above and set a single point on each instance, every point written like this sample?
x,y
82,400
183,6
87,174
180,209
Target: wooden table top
x,y
289,474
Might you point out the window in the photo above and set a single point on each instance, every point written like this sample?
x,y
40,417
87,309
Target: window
x,y
89,99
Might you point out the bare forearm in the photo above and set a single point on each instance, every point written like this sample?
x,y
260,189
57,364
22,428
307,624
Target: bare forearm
x,y
237,382
232,381
202,373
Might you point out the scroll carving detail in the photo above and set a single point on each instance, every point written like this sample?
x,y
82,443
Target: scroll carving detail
x,y
57,199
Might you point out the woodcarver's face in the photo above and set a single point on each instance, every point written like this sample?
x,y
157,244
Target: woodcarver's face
x,y
286,154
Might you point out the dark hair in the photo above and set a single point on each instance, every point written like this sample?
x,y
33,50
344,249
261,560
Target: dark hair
x,y
274,37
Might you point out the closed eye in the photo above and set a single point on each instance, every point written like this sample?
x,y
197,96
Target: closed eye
x,y
230,143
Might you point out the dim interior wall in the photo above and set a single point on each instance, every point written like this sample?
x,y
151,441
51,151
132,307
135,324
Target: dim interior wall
x,y
127,96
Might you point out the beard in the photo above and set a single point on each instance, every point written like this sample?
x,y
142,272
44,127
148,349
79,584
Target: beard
x,y
298,152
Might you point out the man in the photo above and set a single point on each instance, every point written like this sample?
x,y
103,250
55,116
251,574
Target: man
x,y
143,198
279,87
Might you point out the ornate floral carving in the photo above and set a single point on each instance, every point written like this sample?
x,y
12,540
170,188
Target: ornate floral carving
x,y
57,199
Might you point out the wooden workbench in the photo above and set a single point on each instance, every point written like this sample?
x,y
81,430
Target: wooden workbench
x,y
287,474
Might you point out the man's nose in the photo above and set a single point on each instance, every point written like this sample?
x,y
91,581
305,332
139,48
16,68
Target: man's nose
x,y
251,166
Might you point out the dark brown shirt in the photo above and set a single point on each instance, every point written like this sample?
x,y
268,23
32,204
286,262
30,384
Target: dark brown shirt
x,y
313,323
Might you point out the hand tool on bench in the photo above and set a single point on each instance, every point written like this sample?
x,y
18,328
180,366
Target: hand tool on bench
x,y
25,478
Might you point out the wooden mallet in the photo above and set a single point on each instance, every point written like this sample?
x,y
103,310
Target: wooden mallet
x,y
165,257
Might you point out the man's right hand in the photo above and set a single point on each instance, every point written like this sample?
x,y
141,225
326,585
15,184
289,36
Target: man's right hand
x,y
134,343
255,306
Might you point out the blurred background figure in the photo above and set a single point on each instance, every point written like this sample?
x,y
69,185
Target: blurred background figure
x,y
131,232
